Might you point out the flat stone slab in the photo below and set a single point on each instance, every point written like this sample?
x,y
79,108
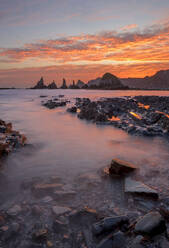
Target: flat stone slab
x,y
119,167
133,186
58,210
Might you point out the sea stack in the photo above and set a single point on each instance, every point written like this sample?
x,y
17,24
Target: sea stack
x,y
40,84
64,86
52,85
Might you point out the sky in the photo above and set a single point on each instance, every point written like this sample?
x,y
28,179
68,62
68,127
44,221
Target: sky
x,y
78,39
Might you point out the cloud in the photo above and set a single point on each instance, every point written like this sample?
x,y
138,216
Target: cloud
x,y
128,27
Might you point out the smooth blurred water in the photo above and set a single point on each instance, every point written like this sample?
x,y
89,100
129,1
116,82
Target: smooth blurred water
x,y
63,145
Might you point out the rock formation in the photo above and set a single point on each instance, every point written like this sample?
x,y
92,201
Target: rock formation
x,y
52,85
80,84
64,86
159,80
40,84
108,82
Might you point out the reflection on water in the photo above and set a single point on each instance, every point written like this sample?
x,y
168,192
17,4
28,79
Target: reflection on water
x,y
63,145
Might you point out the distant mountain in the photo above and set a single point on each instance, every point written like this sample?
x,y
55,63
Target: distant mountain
x,y
107,81
159,80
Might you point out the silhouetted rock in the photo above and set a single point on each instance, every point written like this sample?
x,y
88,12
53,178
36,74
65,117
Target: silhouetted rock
x,y
64,86
160,80
80,84
108,82
40,84
52,85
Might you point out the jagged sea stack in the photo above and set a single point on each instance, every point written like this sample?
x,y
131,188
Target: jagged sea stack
x,y
40,84
52,85
64,86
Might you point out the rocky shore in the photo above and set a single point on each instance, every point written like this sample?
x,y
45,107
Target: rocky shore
x,y
140,115
9,139
84,213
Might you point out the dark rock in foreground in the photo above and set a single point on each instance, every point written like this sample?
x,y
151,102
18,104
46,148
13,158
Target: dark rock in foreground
x,y
119,167
140,115
151,224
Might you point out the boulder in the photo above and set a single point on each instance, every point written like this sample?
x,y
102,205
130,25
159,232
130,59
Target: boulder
x,y
150,224
119,167
136,187
15,210
58,210
109,224
116,240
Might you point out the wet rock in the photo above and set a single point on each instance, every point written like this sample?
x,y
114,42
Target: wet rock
x,y
59,226
52,104
121,167
136,187
37,210
2,220
137,242
85,216
58,210
43,96
43,188
64,193
164,210
47,199
150,224
72,109
40,235
116,240
10,231
15,210
109,224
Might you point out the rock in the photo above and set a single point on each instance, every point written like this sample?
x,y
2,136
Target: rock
x,y
121,167
52,85
59,226
43,96
47,199
52,104
116,240
40,235
64,193
164,210
10,231
136,187
109,224
15,210
36,210
40,84
72,109
2,220
150,224
43,188
136,243
164,243
58,210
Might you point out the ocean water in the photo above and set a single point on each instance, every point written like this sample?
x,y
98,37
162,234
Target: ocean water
x,y
61,144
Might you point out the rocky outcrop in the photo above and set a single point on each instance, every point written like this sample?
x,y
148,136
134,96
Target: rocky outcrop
x,y
52,85
64,86
40,84
108,82
159,80
140,115
80,84
9,139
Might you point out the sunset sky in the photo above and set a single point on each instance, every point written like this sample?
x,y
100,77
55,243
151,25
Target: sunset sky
x,y
81,39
